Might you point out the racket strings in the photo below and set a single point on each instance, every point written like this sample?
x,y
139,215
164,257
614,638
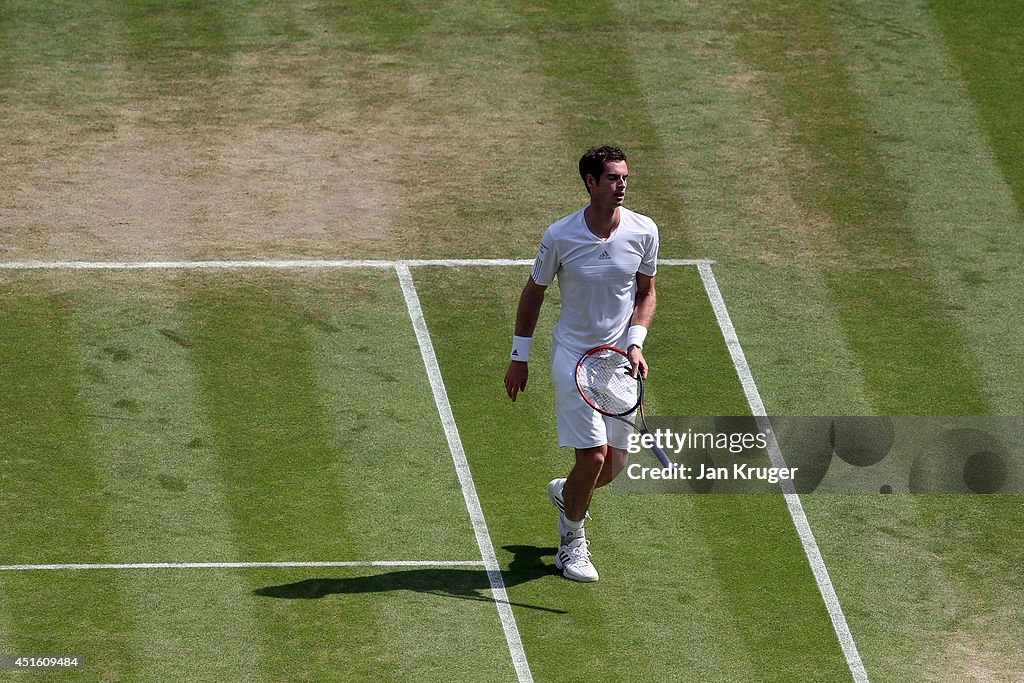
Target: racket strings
x,y
604,380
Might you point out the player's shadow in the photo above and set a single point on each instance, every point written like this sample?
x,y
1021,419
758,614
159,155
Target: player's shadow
x,y
469,583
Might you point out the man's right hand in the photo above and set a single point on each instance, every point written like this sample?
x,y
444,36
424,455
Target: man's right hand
x,y
515,378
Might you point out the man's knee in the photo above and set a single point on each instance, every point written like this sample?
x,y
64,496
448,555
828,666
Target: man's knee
x,y
614,462
591,458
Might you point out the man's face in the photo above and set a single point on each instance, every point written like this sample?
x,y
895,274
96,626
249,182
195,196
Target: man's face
x,y
610,188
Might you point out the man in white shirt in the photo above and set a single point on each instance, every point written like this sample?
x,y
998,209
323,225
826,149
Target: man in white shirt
x,y
605,259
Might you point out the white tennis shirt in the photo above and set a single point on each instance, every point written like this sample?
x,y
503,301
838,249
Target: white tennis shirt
x,y
596,277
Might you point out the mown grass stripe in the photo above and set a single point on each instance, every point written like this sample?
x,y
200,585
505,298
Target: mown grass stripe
x,y
691,371
376,400
710,119
962,212
154,454
688,629
987,41
786,632
879,46
344,473
52,501
885,286
590,93
503,454
245,341
276,454
959,205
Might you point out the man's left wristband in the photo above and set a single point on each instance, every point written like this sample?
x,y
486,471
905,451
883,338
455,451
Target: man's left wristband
x,y
521,348
636,336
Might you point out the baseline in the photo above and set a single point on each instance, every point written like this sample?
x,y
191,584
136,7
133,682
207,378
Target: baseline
x,y
287,264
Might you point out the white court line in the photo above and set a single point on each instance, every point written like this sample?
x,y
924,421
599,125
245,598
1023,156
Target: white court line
x,y
189,265
240,565
476,513
796,508
284,264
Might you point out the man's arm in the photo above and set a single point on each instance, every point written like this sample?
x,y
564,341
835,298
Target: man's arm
x,y
643,314
527,314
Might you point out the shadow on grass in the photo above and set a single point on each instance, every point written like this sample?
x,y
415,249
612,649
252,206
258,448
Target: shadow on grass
x,y
464,584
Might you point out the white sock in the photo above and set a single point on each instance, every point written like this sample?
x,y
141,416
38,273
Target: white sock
x,y
570,524
565,524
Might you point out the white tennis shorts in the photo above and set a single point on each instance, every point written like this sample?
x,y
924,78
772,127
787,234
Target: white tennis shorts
x,y
579,425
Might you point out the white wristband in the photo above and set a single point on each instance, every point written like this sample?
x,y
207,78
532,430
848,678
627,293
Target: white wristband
x,y
636,336
521,348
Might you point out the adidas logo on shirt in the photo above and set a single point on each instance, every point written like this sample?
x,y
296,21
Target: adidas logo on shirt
x,y
604,256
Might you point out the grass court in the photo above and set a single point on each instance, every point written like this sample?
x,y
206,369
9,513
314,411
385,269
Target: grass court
x,y
313,474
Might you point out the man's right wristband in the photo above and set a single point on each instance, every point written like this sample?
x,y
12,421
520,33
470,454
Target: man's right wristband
x,y
521,348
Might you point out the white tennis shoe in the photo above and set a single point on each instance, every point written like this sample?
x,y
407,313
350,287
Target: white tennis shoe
x,y
573,558
555,487
557,497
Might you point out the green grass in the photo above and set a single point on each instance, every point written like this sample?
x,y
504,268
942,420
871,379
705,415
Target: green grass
x,y
854,169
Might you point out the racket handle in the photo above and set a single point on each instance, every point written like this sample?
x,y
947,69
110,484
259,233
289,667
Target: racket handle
x,y
660,455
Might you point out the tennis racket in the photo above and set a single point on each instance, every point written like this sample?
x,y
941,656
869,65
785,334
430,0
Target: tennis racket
x,y
604,382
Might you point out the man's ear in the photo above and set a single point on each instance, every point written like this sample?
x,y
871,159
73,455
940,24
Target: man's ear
x,y
590,181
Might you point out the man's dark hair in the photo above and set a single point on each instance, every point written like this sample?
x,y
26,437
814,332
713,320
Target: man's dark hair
x,y
593,160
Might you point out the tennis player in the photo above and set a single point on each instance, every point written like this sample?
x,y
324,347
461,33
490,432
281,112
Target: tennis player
x,y
605,259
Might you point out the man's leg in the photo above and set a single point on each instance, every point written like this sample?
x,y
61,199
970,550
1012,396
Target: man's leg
x,y
572,557
614,463
582,480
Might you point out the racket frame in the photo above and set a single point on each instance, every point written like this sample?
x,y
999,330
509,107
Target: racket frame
x,y
638,407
